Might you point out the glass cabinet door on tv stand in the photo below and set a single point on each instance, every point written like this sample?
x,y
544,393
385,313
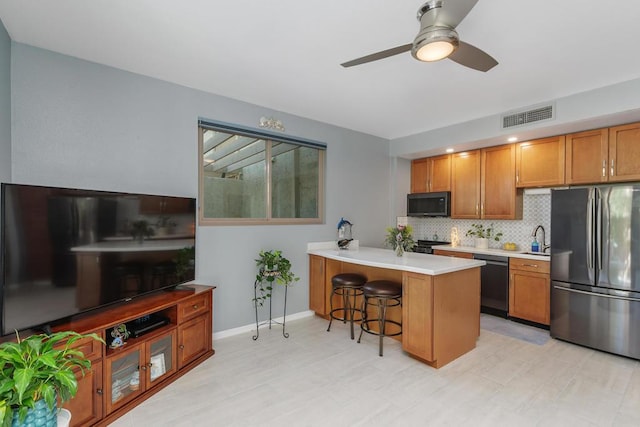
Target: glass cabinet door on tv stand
x,y
131,371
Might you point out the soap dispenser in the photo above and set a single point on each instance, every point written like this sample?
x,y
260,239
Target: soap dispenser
x,y
535,246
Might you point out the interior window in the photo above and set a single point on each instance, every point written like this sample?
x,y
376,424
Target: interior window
x,y
238,185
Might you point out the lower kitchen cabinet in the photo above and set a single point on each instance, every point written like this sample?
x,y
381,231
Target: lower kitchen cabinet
x,y
529,290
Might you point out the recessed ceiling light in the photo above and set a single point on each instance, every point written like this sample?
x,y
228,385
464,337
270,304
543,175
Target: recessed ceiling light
x,y
512,139
449,150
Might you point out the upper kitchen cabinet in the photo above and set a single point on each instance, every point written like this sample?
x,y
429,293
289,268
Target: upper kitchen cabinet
x,y
483,184
624,153
164,205
500,199
540,163
604,155
587,156
431,174
465,184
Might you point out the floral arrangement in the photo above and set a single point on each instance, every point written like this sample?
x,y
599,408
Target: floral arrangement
x,y
400,239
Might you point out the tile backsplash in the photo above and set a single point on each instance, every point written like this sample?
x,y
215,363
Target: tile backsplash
x,y
536,211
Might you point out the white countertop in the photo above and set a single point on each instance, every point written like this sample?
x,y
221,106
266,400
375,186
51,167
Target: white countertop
x,y
490,251
386,258
135,246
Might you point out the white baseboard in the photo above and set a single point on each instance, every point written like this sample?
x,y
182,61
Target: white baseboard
x,y
252,327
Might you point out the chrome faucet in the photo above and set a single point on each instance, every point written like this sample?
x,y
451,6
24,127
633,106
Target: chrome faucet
x,y
543,244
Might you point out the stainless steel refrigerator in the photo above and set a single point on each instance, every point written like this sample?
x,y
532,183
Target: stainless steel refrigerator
x,y
595,267
76,221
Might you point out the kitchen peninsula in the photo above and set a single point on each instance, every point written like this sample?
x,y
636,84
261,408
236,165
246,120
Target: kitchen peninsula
x,y
440,295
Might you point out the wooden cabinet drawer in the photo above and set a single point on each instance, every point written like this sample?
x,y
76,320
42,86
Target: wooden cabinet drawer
x,y
525,264
193,306
456,254
91,348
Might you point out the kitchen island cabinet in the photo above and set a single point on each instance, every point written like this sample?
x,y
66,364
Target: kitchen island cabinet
x,y
440,296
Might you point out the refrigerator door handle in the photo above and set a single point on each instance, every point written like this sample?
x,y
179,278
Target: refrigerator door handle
x,y
593,294
599,216
590,231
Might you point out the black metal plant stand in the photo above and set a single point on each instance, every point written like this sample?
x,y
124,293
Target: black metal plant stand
x,y
270,321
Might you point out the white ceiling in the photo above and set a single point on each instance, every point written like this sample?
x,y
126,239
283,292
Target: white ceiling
x,y
285,54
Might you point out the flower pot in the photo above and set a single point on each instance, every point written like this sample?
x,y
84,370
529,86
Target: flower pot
x,y
39,415
482,243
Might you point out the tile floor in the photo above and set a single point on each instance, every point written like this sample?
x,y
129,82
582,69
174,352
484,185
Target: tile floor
x,y
316,378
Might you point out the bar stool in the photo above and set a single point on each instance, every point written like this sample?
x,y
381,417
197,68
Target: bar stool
x,y
386,294
163,274
349,286
129,277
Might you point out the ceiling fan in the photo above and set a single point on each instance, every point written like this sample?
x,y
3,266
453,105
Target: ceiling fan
x,y
438,39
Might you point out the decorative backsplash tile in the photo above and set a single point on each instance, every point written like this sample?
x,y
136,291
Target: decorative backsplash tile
x,y
536,211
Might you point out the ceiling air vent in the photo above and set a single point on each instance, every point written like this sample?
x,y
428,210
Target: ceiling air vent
x,y
530,116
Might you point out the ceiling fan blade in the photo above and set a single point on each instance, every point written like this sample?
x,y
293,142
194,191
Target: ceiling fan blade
x,y
450,13
379,55
472,57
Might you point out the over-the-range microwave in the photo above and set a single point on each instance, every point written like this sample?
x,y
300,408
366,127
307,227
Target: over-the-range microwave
x,y
429,204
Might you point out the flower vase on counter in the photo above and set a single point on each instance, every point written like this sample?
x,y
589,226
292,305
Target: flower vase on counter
x,y
400,239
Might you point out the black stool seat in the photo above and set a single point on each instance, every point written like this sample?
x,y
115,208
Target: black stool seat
x,y
385,294
349,286
383,288
348,280
129,277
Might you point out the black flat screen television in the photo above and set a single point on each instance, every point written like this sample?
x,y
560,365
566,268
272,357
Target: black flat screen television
x,y
68,251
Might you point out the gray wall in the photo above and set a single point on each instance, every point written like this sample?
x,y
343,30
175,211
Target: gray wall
x,y
5,105
81,124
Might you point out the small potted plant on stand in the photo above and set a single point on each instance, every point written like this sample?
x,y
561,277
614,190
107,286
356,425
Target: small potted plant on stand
x,y
36,373
272,267
483,235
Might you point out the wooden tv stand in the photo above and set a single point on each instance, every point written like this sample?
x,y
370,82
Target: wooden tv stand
x,y
157,358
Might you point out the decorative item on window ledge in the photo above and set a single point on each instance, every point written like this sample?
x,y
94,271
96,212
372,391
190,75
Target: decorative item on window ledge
x,y
399,238
272,267
483,235
271,123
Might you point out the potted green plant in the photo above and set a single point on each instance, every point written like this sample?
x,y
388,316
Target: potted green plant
x,y
164,225
483,235
38,372
140,230
272,267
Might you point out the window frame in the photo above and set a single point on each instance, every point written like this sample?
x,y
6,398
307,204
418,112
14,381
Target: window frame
x,y
269,137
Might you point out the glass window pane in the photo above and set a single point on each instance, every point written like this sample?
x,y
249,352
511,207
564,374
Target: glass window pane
x,y
294,181
234,176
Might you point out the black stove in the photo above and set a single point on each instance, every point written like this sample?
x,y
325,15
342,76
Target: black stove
x,y
426,246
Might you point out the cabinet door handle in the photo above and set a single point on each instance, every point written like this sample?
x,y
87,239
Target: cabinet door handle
x,y
181,347
530,265
482,209
604,167
99,391
612,174
143,367
476,209
517,177
195,306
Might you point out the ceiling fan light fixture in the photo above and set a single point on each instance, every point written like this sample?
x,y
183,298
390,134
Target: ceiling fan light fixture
x,y
434,44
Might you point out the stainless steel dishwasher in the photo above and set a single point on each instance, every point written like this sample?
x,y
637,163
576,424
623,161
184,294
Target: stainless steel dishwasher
x,y
494,284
